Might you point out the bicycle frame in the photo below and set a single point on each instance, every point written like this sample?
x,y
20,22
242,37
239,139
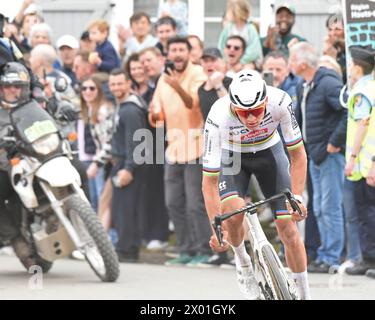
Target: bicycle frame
x,y
258,242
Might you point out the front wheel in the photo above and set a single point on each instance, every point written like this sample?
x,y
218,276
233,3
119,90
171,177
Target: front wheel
x,y
280,283
97,249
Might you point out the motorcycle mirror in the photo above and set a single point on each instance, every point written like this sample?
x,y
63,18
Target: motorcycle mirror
x,y
61,84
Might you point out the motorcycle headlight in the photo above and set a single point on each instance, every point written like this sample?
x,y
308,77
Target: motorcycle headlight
x,y
47,144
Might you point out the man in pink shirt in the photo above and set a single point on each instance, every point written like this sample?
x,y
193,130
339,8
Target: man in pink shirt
x,y
176,102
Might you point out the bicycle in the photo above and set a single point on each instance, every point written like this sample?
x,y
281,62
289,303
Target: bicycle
x,y
269,272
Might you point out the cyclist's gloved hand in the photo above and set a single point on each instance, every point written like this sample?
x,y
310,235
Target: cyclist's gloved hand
x,y
296,216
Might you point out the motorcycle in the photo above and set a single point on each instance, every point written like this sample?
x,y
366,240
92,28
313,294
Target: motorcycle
x,y
56,215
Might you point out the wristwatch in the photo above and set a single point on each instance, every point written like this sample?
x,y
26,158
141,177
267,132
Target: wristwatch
x,y
373,158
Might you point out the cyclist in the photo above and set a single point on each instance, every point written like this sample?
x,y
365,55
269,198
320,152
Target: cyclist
x,y
241,139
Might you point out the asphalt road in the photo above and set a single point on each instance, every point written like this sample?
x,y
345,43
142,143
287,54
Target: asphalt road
x,y
70,279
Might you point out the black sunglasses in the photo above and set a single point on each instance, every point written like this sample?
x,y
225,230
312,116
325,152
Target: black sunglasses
x,y
228,46
91,88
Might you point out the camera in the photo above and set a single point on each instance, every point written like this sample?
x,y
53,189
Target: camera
x,y
169,67
268,78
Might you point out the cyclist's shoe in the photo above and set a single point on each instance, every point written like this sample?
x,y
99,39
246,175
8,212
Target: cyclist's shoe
x,y
247,283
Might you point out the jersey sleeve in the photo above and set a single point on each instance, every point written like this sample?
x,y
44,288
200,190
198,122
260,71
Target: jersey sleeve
x,y
289,125
212,147
362,107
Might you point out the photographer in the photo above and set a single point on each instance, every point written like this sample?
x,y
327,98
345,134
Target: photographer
x,y
334,43
183,175
9,52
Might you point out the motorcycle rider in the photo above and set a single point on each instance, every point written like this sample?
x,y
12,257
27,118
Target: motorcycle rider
x,y
14,92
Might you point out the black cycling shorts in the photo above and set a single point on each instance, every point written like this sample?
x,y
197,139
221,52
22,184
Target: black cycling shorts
x,y
270,167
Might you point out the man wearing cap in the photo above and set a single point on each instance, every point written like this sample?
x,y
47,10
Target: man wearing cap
x,y
215,87
217,83
360,149
279,37
68,47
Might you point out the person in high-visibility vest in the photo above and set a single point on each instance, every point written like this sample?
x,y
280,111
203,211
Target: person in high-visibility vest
x,y
368,172
360,135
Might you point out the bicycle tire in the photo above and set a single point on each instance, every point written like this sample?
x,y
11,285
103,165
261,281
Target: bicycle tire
x,y
279,282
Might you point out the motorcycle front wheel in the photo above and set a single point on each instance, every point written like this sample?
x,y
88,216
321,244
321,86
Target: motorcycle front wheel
x,y
98,250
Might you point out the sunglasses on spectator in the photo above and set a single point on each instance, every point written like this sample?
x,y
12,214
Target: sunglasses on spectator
x,y
254,112
228,46
91,88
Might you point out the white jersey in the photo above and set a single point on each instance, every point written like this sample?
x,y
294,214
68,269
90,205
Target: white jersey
x,y
223,129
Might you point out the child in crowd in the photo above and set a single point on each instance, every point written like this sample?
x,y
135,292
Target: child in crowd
x,y
105,57
177,10
238,14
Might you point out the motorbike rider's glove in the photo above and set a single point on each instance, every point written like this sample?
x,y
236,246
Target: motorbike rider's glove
x,y
68,112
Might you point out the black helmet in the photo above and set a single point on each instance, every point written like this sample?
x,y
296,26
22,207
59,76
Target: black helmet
x,y
14,74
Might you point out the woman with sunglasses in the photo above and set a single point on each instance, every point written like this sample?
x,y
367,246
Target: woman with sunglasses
x,y
97,116
242,139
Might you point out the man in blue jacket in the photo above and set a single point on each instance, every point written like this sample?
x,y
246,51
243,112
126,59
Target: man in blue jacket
x,y
323,123
277,63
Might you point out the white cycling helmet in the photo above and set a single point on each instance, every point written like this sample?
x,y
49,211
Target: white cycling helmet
x,y
247,90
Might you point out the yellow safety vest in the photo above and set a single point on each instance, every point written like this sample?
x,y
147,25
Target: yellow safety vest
x,y
368,90
368,147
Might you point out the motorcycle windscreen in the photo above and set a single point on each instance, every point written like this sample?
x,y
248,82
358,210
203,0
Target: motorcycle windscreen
x,y
31,122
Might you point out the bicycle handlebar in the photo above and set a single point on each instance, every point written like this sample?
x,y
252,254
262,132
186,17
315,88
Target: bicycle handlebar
x,y
251,208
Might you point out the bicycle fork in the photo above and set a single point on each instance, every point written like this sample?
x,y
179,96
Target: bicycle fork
x,y
259,240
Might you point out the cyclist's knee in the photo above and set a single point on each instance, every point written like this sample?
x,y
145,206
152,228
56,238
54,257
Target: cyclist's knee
x,y
288,232
231,205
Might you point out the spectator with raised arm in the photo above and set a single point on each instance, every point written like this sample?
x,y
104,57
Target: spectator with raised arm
x,y
280,36
183,173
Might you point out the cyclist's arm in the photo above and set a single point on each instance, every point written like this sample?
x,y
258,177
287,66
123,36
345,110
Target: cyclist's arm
x,y
210,187
211,166
298,169
294,143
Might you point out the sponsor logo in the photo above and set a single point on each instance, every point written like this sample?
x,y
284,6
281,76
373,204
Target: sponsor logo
x,y
292,117
222,186
209,121
282,99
